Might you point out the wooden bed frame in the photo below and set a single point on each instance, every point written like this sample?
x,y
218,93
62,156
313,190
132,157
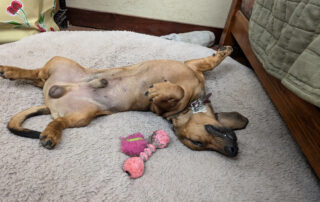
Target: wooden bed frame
x,y
301,117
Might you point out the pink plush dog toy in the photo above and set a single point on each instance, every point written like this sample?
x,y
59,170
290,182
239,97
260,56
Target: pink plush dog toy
x,y
133,145
134,166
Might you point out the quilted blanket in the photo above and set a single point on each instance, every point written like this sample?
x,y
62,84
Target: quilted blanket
x,y
284,34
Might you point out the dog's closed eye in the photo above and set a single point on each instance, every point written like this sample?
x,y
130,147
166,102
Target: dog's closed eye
x,y
197,143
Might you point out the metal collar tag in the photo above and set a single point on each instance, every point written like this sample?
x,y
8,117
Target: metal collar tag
x,y
199,104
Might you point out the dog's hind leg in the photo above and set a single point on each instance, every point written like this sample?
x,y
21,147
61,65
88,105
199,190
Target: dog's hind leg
x,y
164,96
14,73
51,136
40,75
209,63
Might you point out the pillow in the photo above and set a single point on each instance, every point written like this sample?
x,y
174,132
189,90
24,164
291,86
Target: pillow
x,y
20,18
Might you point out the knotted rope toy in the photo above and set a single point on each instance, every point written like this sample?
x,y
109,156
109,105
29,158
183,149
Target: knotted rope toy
x,y
134,166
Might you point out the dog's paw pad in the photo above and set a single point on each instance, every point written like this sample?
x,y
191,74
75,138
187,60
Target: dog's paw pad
x,y
2,74
43,137
47,142
223,48
224,51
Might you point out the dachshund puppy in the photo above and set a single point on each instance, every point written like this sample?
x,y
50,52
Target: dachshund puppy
x,y
75,95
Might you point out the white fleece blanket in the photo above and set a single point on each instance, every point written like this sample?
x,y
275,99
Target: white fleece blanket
x,y
87,165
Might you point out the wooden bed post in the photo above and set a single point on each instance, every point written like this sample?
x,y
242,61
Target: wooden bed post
x,y
226,36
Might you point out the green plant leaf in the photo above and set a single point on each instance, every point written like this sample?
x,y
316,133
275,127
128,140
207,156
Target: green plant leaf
x,y
14,23
41,20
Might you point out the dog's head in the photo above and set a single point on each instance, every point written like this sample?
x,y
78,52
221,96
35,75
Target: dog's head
x,y
202,130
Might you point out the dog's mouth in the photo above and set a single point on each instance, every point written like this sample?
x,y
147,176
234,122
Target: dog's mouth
x,y
227,148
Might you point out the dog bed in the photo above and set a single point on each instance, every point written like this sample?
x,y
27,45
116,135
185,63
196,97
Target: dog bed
x,y
87,165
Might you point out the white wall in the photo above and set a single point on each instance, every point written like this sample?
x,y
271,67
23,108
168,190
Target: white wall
x,y
211,13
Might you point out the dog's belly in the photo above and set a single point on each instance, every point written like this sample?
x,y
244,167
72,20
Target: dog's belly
x,y
122,94
116,97
125,89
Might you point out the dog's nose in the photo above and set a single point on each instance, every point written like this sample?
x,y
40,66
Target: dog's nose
x,y
231,151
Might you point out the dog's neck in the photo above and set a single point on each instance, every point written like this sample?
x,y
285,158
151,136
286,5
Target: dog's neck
x,y
196,106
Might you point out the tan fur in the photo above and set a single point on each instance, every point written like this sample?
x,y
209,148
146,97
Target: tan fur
x,y
75,95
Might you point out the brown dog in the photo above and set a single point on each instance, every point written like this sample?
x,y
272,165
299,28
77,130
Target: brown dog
x,y
75,95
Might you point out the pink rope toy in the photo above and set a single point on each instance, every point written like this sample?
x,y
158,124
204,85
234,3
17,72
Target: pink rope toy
x,y
134,166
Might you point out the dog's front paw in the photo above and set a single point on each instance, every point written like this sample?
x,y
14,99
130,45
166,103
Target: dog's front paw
x,y
49,139
165,94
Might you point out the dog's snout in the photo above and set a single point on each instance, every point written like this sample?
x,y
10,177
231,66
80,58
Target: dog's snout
x,y
232,136
231,151
221,132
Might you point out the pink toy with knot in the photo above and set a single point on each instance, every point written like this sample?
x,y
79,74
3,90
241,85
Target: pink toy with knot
x,y
134,166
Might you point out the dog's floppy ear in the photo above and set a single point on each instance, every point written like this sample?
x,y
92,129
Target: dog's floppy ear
x,y
232,120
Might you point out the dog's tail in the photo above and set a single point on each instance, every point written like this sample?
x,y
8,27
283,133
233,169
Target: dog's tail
x,y
15,124
209,63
